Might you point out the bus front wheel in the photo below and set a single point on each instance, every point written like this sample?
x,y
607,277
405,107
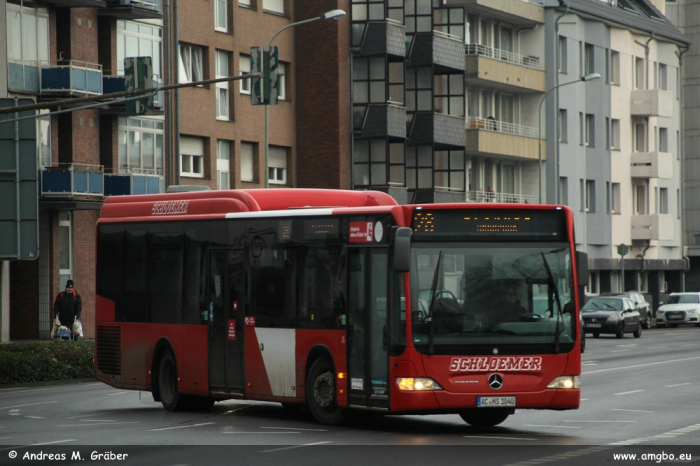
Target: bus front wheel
x,y
320,393
167,384
485,417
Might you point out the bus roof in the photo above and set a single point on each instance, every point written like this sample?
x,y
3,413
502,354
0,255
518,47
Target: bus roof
x,y
222,202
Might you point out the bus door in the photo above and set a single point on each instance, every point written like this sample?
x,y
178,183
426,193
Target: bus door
x,y
367,329
226,321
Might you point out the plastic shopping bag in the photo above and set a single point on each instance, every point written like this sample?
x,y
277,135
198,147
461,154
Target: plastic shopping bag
x,y
56,327
77,327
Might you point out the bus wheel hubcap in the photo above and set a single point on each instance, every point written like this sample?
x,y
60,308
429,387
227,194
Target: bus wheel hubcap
x,y
323,390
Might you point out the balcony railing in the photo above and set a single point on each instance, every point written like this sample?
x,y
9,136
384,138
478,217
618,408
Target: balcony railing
x,y
497,126
69,180
71,77
503,55
505,198
120,184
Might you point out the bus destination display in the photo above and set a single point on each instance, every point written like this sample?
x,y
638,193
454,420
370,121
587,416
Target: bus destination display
x,y
487,224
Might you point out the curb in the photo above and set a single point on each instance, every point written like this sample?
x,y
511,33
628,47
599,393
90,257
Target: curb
x,y
48,383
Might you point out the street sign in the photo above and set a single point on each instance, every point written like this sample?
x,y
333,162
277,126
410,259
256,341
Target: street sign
x,y
623,249
19,208
263,90
138,74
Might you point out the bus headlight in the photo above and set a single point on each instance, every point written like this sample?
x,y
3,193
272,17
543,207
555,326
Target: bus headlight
x,y
417,384
566,381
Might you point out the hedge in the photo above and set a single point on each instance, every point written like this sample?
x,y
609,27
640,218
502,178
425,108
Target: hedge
x,y
22,362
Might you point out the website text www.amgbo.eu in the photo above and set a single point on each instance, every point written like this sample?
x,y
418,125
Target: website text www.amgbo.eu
x,y
656,457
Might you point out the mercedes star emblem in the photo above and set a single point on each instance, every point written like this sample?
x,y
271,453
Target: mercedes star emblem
x,y
495,381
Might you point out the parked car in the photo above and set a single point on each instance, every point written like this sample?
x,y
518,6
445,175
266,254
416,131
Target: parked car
x,y
643,306
611,314
582,327
679,308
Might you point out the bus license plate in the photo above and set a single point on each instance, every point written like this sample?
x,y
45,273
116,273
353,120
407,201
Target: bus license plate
x,y
592,325
495,401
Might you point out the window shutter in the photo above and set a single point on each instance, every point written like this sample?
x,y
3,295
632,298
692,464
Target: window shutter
x,y
247,162
278,157
191,146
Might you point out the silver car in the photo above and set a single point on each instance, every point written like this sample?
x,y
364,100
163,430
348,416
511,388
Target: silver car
x,y
679,308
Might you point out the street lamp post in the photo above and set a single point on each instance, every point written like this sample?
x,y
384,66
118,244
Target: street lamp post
x,y
588,77
332,14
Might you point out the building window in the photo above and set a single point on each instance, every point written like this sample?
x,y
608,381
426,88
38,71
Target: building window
x,y
615,205
638,72
244,68
246,3
192,157
450,172
663,139
663,200
65,246
589,63
640,137
563,126
663,77
140,146
582,194
274,6
590,195
450,21
223,164
222,96
640,193
277,165
581,128
590,130
615,134
221,15
248,162
564,190
191,66
563,54
370,157
27,45
419,167
614,67
594,283
449,94
140,40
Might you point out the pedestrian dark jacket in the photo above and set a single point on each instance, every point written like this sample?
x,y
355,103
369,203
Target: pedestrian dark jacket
x,y
67,307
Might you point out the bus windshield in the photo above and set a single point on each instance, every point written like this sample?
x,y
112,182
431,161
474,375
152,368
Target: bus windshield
x,y
473,298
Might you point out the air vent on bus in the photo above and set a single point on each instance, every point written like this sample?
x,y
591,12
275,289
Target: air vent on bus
x,y
109,345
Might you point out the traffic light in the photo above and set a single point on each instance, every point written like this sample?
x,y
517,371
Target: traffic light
x,y
264,88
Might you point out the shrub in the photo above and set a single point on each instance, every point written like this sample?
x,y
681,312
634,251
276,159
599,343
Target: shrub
x,y
44,361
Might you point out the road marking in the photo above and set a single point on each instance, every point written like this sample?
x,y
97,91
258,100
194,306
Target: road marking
x,y
118,393
292,428
20,390
632,410
677,385
500,438
656,347
100,420
237,432
554,427
17,447
640,365
180,427
567,420
92,425
85,415
30,404
620,351
35,417
295,446
14,412
628,393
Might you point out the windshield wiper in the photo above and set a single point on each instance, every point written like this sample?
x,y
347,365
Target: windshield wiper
x,y
433,290
556,296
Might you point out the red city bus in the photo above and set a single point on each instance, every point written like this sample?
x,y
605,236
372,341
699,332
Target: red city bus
x,y
339,300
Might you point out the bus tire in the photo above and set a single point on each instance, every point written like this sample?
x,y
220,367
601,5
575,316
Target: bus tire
x,y
485,417
167,384
321,393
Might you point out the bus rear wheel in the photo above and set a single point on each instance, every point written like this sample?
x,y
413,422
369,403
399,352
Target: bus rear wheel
x,y
167,385
485,417
320,394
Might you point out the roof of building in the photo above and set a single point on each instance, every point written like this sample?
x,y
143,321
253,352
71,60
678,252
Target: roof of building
x,y
635,14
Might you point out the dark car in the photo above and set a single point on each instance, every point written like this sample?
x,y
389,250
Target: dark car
x,y
611,314
642,304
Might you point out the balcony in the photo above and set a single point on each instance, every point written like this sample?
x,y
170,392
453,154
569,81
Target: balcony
x,y
77,3
384,38
651,103
444,51
384,120
517,12
652,165
71,77
504,70
133,9
120,184
72,181
489,137
437,128
23,76
112,84
652,227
